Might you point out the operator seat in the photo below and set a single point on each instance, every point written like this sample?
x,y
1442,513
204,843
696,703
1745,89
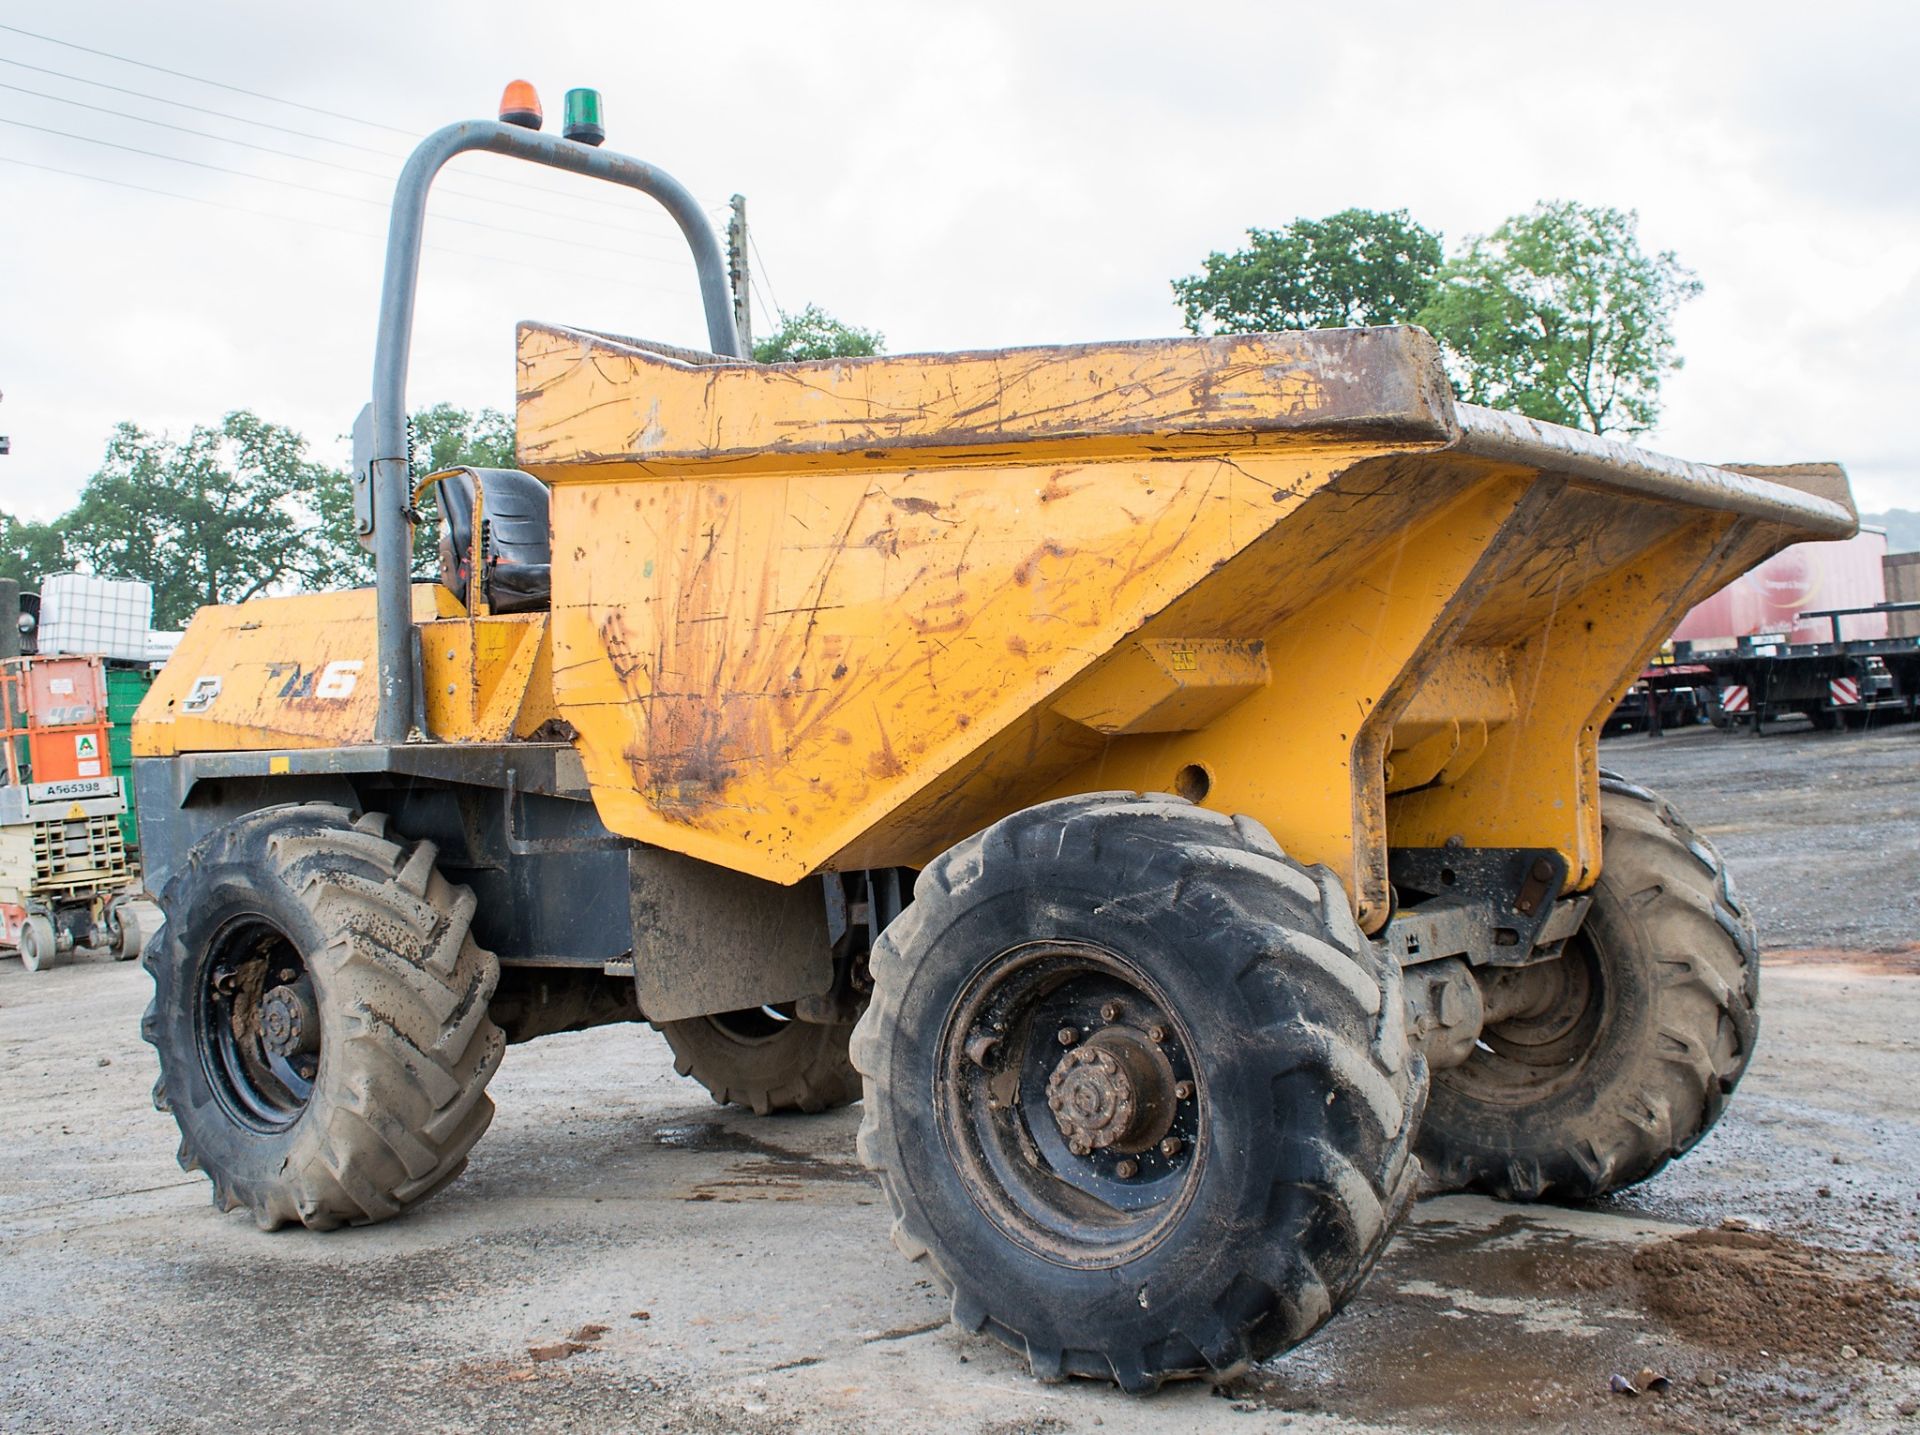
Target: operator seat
x,y
516,543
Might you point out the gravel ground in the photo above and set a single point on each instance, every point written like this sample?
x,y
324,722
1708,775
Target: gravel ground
x,y
1823,829
741,1271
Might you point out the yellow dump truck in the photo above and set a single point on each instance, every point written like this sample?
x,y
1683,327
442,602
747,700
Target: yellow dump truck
x,y
1159,777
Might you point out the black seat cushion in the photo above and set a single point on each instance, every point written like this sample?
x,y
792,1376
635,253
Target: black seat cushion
x,y
516,541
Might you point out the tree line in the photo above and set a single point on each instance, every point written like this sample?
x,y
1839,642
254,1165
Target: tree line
x,y
240,508
230,511
1559,313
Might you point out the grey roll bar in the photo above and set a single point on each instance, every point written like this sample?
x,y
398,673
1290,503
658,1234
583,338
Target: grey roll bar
x,y
384,492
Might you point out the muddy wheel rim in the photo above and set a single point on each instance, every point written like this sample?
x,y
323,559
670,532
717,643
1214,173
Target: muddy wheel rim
x,y
1069,1099
259,1026
1523,1060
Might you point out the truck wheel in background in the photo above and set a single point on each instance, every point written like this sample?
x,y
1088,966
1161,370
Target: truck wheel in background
x,y
765,1060
320,1015
1137,1088
39,944
1632,1041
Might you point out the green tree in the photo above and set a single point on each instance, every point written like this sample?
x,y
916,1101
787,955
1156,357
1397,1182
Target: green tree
x,y
1359,266
1560,315
440,437
815,334
218,517
447,437
29,551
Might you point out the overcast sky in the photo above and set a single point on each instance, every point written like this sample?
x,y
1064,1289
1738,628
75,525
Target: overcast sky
x,y
956,175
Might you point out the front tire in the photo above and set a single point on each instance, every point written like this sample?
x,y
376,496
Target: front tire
x,y
1138,1089
1641,1033
320,1015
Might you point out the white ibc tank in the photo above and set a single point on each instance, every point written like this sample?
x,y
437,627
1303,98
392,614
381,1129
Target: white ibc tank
x,y
83,614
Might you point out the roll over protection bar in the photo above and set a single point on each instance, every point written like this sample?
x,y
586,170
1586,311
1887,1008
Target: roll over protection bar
x,y
383,488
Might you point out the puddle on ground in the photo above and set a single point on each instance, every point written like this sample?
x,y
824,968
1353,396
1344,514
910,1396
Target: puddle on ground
x,y
772,1171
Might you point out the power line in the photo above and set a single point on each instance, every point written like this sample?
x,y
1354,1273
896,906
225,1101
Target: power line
x,y
196,163
316,189
189,198
322,139
305,223
189,130
762,265
203,80
753,287
384,177
593,199
201,109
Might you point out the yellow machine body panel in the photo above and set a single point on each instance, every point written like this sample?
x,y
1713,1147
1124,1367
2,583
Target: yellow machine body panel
x,y
842,614
298,672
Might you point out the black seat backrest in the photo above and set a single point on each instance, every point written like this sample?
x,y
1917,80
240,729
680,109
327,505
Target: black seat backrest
x,y
516,541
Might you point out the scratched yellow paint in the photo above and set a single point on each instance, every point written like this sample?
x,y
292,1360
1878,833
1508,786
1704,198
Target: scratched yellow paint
x,y
298,672
795,605
587,402
804,659
246,676
480,677
843,614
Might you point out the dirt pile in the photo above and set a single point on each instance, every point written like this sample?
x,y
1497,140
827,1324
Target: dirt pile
x,y
1753,1290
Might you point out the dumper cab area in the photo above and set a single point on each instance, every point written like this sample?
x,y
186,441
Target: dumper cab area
x,y
1160,777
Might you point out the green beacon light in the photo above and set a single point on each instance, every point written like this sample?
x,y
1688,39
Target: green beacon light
x,y
583,117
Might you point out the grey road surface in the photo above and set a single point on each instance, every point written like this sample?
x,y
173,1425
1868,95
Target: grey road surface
x,y
718,1272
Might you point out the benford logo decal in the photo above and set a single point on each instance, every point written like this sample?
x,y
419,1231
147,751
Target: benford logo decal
x,y
201,695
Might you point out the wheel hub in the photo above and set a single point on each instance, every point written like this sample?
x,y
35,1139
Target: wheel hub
x,y
289,1026
1114,1091
1071,1102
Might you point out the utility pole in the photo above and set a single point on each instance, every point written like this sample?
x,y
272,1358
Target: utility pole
x,y
737,271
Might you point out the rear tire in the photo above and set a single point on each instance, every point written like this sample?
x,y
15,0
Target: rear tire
x,y
320,1015
1217,991
766,1063
1631,1065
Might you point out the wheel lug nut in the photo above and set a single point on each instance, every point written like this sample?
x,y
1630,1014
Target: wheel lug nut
x,y
1068,1036
1172,1147
1110,1011
1156,1034
1079,1145
1183,1090
1127,1170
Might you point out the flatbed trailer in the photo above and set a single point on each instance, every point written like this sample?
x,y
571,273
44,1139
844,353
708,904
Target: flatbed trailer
x,y
1851,681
